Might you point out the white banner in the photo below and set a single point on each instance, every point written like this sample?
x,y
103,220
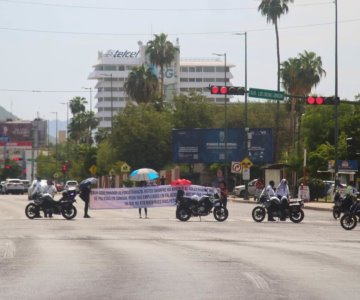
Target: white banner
x,y
149,196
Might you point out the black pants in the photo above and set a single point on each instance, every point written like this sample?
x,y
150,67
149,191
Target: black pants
x,y
145,209
86,207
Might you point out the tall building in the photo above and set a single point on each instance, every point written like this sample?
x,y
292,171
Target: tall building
x,y
182,76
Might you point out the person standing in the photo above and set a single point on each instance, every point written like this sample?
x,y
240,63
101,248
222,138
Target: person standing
x,y
223,193
143,184
282,190
85,191
259,186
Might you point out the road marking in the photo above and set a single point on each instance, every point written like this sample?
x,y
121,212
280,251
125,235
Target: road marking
x,y
9,251
257,280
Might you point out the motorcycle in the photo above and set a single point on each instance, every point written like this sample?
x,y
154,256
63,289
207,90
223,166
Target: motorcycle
x,y
46,203
341,205
281,208
349,220
192,207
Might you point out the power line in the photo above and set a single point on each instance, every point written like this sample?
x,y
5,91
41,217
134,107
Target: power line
x,y
127,9
173,34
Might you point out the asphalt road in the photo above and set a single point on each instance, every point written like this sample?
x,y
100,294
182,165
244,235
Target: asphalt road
x,y
116,255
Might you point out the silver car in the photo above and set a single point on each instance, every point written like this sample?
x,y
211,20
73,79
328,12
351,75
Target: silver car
x,y
239,190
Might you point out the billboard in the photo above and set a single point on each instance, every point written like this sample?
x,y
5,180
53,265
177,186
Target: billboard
x,y
208,145
15,131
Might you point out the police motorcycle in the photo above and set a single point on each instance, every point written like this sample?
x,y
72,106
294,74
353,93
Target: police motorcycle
x,y
282,208
349,220
47,204
187,207
341,205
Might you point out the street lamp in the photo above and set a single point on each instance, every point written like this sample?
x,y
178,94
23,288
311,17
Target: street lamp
x,y
225,118
246,108
336,134
56,140
67,128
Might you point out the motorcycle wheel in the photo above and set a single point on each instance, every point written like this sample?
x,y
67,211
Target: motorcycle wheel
x,y
297,216
221,213
183,214
258,214
336,213
348,221
69,213
31,210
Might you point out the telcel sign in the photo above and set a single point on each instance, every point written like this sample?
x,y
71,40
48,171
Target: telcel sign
x,y
121,54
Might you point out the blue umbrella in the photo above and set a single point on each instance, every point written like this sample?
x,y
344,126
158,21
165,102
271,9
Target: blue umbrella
x,y
144,174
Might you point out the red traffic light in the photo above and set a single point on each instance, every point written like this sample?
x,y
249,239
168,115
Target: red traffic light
x,y
312,100
227,90
64,168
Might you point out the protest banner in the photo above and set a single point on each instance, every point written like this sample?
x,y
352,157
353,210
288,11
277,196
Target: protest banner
x,y
148,196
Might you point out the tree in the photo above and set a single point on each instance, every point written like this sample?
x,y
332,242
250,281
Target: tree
x,y
77,105
142,137
193,111
299,75
273,10
141,85
161,53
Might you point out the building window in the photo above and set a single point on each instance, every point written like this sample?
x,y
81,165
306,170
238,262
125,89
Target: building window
x,y
191,69
109,68
184,69
209,80
121,68
184,79
199,69
209,69
191,79
199,80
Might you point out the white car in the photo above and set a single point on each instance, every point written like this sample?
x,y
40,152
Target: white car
x,y
71,184
239,190
13,186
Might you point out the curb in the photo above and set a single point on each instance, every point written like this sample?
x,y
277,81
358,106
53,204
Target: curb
x,y
305,204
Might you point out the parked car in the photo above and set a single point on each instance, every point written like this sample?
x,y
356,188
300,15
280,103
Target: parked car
x,y
239,190
71,184
26,184
13,186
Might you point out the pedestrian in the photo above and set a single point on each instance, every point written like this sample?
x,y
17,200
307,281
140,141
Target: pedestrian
x,y
259,186
223,193
85,191
162,180
143,184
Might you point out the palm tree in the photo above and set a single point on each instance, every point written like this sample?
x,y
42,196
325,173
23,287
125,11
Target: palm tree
x,y
161,53
273,9
141,85
77,105
299,75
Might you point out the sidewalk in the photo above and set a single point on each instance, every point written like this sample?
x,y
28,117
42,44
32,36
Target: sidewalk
x,y
315,205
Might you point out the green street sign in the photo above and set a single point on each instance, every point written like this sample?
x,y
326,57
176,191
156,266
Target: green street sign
x,y
266,94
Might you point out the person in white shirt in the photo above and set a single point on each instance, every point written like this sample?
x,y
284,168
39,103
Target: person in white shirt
x,y
50,190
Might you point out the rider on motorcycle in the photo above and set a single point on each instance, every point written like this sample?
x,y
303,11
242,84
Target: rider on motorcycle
x,y
269,190
282,190
50,190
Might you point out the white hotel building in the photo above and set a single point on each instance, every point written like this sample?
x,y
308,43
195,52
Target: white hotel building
x,y
183,76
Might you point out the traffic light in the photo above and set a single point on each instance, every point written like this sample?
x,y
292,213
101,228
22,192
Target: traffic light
x,y
64,168
313,100
226,90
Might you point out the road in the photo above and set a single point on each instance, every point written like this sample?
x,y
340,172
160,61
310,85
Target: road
x,y
116,255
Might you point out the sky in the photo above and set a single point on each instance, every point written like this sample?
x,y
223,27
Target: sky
x,y
48,47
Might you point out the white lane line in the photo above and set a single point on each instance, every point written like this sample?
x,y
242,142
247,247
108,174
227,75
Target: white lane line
x,y
9,250
257,280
